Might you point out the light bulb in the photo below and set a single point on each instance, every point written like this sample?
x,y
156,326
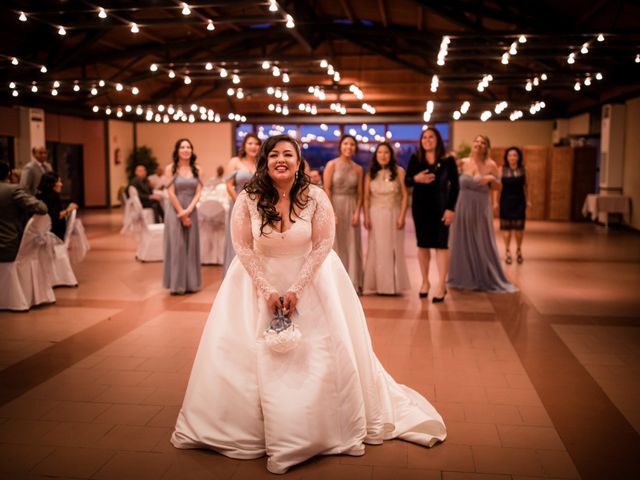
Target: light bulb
x,y
208,66
266,65
135,90
600,37
134,27
54,92
34,88
210,26
187,79
290,23
598,76
22,17
15,93
576,86
543,77
185,9
585,49
172,74
94,91
323,63
61,30
235,79
76,88
43,69
101,83
56,84
102,13
522,39
273,6
223,73
153,67
276,71
285,77
14,61
95,109
119,87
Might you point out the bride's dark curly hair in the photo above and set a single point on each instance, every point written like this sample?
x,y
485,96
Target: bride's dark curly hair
x,y
261,186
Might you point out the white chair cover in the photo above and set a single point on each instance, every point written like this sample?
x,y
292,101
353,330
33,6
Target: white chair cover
x,y
27,280
212,218
150,236
62,275
76,239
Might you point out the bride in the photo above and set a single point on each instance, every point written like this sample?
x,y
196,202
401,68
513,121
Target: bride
x,y
329,395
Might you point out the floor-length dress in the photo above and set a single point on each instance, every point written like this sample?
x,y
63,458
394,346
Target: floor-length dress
x,y
327,396
385,270
348,242
182,245
241,178
475,264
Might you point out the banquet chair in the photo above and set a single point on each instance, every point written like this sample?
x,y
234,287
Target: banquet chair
x,y
211,220
26,281
75,239
62,274
148,235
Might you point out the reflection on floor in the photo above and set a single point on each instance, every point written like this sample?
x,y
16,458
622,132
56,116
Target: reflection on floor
x,y
539,384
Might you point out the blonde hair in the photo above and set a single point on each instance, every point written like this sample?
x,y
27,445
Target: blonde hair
x,y
488,142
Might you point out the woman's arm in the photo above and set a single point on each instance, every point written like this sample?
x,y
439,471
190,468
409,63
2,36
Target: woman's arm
x,y
327,177
242,238
229,172
323,228
367,194
404,200
355,219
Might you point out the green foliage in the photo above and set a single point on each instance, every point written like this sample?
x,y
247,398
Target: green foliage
x,y
141,156
463,150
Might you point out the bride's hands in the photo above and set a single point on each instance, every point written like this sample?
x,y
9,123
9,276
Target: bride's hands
x,y
290,302
273,303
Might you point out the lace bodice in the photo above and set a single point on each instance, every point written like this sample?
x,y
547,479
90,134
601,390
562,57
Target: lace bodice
x,y
311,237
385,193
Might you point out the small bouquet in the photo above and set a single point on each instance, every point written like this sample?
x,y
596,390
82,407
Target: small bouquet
x,y
282,335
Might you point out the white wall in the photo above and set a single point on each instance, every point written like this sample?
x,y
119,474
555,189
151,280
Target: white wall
x,y
212,142
120,147
579,125
503,133
631,177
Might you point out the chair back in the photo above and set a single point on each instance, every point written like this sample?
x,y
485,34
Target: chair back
x,y
71,220
134,221
212,214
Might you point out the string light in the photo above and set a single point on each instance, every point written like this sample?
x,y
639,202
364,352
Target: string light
x,y
515,115
577,86
15,93
522,39
153,67
435,82
273,6
444,50
266,65
34,88
208,66
513,49
76,87
43,69
230,91
587,81
571,59
185,9
598,76
187,79
135,90
464,108
101,83
95,109
285,78
500,107
324,63
172,74
94,91
290,23
585,48
210,26
119,87
543,77
134,27
61,30
600,37
275,71
486,115
22,17
223,73
637,58
456,115
505,58
56,84
102,13
484,83
54,92
12,84
529,86
235,79
14,61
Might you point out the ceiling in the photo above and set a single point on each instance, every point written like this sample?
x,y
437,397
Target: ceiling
x,y
388,49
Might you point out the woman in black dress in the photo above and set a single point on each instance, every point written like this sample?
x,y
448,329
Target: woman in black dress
x,y
434,178
513,201
49,192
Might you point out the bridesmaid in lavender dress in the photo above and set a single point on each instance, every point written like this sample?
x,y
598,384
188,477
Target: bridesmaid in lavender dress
x,y
181,237
475,264
343,183
239,171
385,205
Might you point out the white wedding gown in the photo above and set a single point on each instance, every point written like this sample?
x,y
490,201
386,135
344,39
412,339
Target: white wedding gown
x,y
330,395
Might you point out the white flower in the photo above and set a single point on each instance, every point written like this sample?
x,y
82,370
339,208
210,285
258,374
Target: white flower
x,y
283,341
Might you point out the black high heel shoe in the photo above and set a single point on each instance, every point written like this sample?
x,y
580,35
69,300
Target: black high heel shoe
x,y
423,294
440,299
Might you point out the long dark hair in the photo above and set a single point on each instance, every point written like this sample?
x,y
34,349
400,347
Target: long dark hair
x,y
243,152
47,181
261,186
506,154
176,158
376,167
440,151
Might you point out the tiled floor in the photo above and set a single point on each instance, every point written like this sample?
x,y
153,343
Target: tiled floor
x,y
544,383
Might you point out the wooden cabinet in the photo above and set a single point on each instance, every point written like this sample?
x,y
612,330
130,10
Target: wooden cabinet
x,y
535,160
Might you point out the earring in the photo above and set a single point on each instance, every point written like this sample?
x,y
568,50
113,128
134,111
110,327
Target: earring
x,y
296,176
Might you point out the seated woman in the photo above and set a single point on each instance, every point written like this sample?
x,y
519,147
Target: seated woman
x,y
330,395
49,192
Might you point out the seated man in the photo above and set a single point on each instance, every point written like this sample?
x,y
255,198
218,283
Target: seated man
x,y
16,206
147,197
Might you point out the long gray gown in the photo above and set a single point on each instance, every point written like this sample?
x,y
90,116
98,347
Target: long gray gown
x,y
182,245
475,264
348,243
241,178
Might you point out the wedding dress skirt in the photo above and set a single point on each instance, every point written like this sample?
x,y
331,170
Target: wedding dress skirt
x,y
327,396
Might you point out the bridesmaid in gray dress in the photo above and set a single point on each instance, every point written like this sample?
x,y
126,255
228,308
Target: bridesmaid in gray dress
x,y
343,182
475,264
239,171
181,238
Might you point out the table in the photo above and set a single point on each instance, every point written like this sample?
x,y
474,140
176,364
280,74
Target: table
x,y
596,203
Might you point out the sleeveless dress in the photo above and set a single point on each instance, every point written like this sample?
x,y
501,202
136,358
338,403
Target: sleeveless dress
x,y
429,201
327,396
513,203
241,178
385,270
182,245
475,264
348,243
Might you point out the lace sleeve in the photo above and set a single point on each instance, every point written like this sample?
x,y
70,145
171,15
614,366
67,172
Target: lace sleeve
x,y
323,226
242,238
